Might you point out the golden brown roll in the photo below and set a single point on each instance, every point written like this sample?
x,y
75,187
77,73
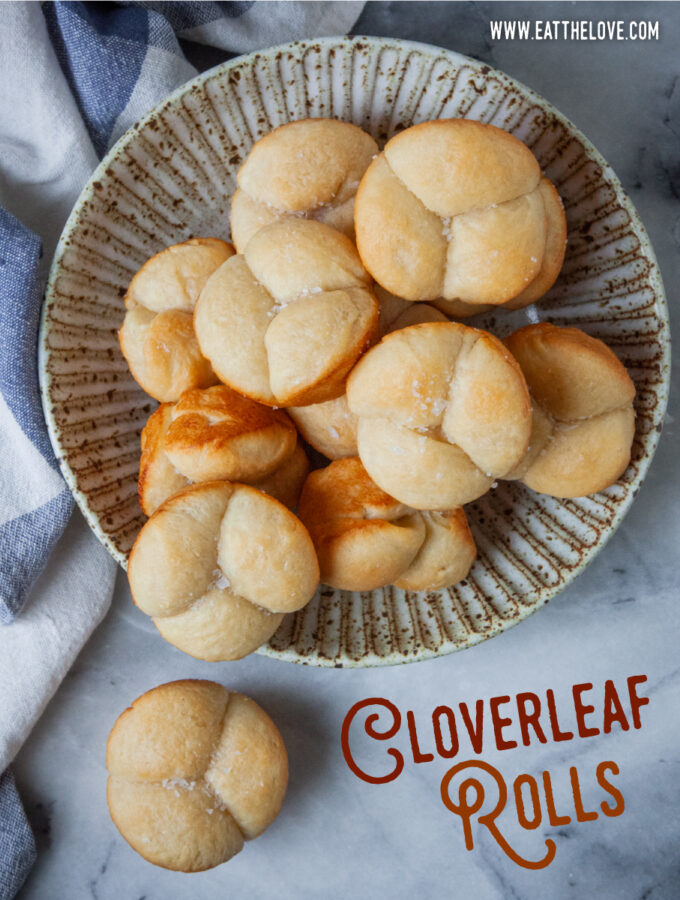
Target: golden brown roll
x,y
217,566
157,336
456,212
583,416
330,427
195,770
215,434
284,322
310,168
366,539
443,411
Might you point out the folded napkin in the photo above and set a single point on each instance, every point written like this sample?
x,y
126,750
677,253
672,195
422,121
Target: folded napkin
x,y
80,74
36,503
17,845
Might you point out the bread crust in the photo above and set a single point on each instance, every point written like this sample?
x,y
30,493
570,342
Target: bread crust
x,y
225,561
285,322
330,427
157,336
551,264
310,168
216,434
583,415
194,771
366,539
456,212
443,410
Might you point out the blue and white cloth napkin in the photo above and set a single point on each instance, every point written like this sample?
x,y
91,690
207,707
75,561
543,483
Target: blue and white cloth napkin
x,y
74,76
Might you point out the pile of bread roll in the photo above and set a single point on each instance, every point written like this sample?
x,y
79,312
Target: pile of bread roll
x,y
331,325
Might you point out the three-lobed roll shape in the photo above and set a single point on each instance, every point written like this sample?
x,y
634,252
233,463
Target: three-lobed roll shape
x,y
443,411
457,212
583,417
306,169
285,322
195,770
366,539
216,434
217,566
157,335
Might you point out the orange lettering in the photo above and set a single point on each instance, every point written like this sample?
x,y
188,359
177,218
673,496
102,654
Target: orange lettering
x,y
418,757
635,701
500,722
535,802
475,731
529,718
369,727
553,818
582,710
613,709
452,750
554,724
610,789
466,810
581,814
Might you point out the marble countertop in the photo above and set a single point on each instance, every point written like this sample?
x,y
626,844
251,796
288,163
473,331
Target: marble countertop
x,y
338,836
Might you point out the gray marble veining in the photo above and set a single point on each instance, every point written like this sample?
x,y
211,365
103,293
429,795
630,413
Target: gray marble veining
x,y
338,836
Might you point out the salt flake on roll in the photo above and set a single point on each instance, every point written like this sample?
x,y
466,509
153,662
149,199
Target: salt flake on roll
x,y
310,168
285,322
457,213
195,771
217,566
443,410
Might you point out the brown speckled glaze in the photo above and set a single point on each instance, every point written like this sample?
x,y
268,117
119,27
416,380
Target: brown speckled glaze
x,y
172,177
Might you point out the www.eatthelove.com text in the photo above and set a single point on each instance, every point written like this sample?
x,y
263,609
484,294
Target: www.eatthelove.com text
x,y
573,30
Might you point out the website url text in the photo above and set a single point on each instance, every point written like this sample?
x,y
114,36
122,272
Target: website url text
x,y
573,30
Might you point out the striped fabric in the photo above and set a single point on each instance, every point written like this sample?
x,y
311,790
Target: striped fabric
x,y
36,503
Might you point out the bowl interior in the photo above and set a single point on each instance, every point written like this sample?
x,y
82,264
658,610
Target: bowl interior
x,y
172,176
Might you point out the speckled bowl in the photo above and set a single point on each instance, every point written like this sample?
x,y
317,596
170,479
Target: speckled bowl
x,y
172,176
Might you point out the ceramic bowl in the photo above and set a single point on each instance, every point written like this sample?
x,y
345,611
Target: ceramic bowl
x,y
172,176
